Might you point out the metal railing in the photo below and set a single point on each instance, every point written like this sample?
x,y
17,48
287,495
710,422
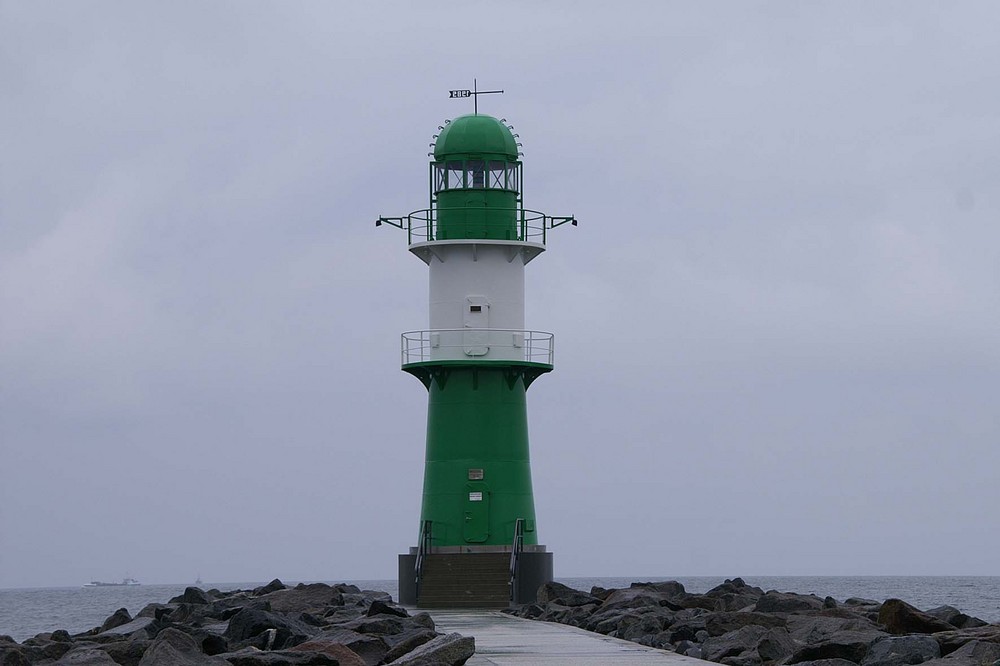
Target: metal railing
x,y
423,548
515,554
487,344
529,225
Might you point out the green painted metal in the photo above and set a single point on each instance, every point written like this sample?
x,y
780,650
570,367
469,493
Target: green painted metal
x,y
478,134
476,180
477,420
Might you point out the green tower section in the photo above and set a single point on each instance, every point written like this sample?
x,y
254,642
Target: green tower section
x,y
476,180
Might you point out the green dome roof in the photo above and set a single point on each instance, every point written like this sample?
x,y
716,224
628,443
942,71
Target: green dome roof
x,y
475,134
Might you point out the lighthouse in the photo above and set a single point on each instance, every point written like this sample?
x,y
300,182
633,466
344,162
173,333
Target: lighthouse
x,y
478,537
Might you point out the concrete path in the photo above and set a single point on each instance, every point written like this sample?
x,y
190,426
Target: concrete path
x,y
503,640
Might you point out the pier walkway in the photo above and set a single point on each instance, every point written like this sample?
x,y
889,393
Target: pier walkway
x,y
504,640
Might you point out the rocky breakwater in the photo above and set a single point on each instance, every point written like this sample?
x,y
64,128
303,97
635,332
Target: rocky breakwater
x,y
740,625
273,625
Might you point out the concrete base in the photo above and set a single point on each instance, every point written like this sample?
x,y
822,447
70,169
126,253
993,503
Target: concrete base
x,y
534,570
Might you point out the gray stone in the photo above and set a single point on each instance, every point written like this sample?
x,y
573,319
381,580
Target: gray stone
x,y
899,617
249,623
191,595
116,619
251,657
955,617
950,641
303,598
406,642
827,662
86,657
901,650
717,624
446,649
129,628
815,628
173,647
849,645
370,648
787,602
733,643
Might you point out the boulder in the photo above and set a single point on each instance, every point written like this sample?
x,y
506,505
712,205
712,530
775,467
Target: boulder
x,y
380,607
787,602
370,648
129,628
192,595
400,644
717,624
815,628
827,662
973,653
86,656
344,655
251,657
849,645
273,586
446,649
899,617
116,619
901,650
303,598
733,643
127,652
955,617
952,640
173,647
249,623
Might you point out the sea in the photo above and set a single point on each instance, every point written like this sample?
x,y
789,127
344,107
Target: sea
x,y
25,612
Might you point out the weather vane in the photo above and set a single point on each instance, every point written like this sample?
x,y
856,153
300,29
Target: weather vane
x,y
474,94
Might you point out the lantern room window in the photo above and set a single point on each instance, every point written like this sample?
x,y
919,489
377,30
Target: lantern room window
x,y
476,174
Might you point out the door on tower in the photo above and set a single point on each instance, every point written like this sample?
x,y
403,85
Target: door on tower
x,y
477,512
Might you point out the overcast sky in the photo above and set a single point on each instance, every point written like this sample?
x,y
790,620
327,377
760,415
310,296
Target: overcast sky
x,y
776,326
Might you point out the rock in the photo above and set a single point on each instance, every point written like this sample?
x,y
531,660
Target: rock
x,y
849,645
950,641
955,617
901,650
344,655
407,641
550,591
251,657
899,617
12,655
827,662
717,624
87,657
379,625
127,652
380,607
446,649
191,595
631,628
733,595
116,619
830,602
151,610
173,647
273,586
973,653
61,636
303,598
787,602
129,628
249,623
370,648
732,644
816,628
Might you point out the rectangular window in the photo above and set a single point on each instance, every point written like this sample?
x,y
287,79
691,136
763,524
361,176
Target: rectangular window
x,y
497,174
475,173
454,175
439,182
512,182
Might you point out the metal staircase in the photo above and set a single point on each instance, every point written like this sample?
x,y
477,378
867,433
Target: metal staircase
x,y
465,580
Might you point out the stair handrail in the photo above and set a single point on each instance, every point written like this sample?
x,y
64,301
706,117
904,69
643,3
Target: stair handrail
x,y
424,547
515,554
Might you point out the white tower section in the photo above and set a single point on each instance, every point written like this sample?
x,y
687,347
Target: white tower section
x,y
477,300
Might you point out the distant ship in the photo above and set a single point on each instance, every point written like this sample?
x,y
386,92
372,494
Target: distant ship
x,y
125,581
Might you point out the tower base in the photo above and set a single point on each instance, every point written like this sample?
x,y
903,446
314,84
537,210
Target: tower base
x,y
473,578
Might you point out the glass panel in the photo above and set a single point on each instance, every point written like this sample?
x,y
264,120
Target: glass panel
x,y
496,179
475,173
454,175
438,177
512,177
